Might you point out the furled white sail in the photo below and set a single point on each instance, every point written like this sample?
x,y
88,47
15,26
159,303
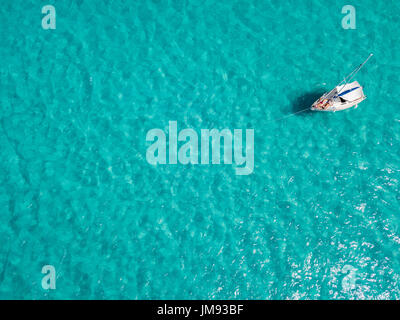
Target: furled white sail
x,y
350,91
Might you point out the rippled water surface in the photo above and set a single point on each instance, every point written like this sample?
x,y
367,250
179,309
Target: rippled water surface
x,y
318,218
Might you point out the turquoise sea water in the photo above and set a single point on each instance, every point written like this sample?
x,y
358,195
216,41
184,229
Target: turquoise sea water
x,y
318,219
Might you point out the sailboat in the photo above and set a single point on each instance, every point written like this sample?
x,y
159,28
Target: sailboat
x,y
344,96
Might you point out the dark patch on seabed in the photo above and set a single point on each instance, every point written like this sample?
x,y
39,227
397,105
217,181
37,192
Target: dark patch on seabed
x,y
305,101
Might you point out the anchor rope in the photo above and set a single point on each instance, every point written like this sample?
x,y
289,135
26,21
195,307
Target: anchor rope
x,y
290,115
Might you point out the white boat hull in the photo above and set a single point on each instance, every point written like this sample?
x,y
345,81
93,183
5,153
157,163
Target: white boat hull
x,y
336,101
338,106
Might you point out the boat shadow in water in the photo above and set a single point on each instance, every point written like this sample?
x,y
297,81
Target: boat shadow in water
x,y
305,101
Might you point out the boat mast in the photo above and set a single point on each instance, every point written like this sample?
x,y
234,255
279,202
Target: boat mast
x,y
352,74
357,69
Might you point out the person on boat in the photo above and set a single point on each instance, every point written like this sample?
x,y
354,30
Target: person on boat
x,y
324,104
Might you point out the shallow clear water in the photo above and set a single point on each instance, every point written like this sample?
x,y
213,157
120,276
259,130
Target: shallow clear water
x,y
318,218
